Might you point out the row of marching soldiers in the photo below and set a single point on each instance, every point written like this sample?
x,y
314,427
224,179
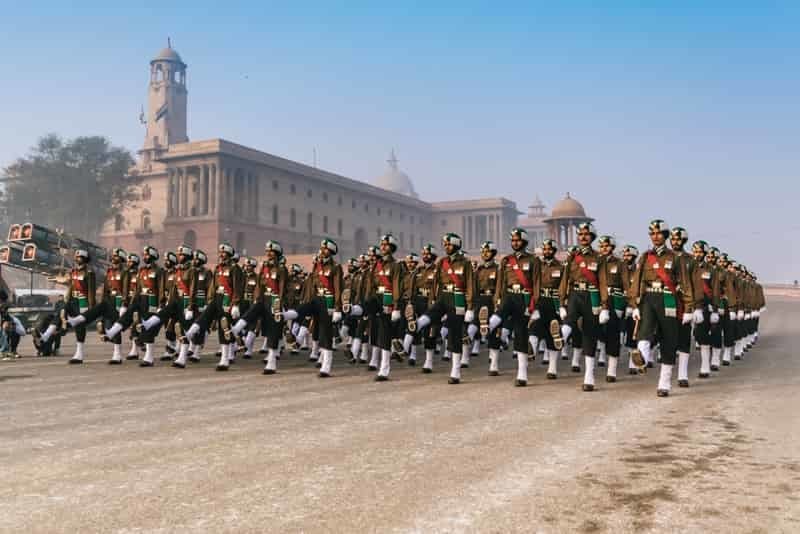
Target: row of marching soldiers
x,y
595,301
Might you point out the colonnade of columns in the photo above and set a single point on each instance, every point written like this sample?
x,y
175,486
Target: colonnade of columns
x,y
212,190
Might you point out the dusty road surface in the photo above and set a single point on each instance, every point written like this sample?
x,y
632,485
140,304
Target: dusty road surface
x,y
124,449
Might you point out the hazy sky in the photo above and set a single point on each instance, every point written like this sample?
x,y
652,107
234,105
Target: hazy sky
x,y
688,112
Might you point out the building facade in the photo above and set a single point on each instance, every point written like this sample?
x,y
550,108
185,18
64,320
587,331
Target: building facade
x,y
204,192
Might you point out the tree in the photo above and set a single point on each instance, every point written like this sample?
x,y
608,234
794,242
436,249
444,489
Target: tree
x,y
75,184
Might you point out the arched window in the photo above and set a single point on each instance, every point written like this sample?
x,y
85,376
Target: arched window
x,y
190,238
275,214
310,222
292,218
119,221
145,222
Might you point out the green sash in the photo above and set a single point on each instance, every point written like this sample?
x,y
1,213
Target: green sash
x,y
329,302
388,301
152,303
594,296
459,302
117,302
670,307
83,304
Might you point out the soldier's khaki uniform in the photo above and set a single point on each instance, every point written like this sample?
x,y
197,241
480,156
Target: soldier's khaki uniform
x,y
706,288
617,282
383,295
584,293
657,300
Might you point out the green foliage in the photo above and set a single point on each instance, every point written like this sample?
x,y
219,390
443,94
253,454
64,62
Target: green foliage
x,y
75,184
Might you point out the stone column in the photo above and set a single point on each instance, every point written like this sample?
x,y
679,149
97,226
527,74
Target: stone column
x,y
203,187
169,193
212,190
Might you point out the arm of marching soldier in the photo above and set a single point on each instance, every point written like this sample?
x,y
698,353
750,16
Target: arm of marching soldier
x,y
686,283
697,285
283,284
635,289
538,275
715,290
436,282
564,286
238,280
91,284
470,283
602,282
338,283
500,285
397,283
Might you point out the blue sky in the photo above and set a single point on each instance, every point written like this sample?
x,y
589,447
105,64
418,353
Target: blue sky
x,y
685,111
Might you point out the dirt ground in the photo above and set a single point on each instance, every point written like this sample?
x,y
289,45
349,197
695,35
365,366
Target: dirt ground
x,y
124,449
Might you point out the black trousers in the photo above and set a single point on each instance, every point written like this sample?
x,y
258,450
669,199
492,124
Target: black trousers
x,y
316,310
455,323
630,339
493,340
512,310
73,309
651,308
610,333
548,311
702,331
106,311
215,311
263,312
579,305
141,306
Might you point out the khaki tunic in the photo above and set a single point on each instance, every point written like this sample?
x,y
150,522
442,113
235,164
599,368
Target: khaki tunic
x,y
646,274
590,260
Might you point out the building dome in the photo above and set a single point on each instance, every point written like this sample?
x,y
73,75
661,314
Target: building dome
x,y
396,180
168,54
568,207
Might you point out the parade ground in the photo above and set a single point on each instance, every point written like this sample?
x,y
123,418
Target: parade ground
x,y
99,448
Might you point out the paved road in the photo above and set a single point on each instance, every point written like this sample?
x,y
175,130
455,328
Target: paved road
x,y
100,448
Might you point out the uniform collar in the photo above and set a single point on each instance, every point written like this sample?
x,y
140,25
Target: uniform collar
x,y
583,251
490,263
548,261
660,250
387,258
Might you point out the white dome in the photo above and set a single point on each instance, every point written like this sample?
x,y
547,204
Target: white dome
x,y
396,180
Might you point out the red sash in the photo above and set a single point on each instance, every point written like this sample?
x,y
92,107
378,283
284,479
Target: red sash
x,y
382,277
224,281
114,284
272,284
325,280
589,275
652,259
706,289
523,280
79,286
181,283
149,283
457,281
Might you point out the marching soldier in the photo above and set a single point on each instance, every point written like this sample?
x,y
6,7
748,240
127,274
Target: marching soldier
x,y
452,295
487,277
250,280
294,296
223,306
359,349
178,308
269,297
706,296
410,316
617,280
584,295
168,272
545,314
515,298
422,285
653,295
728,302
323,302
629,255
383,294
115,294
678,238
79,299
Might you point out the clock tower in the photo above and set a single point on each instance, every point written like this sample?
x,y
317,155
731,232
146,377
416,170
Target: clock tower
x,y
166,105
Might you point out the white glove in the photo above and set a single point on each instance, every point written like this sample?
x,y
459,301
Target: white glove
x,y
746,316
604,316
714,318
756,314
628,312
337,316
122,310
562,312
733,315
740,315
698,317
762,310
536,315
687,318
235,312
444,318
395,315
188,315
636,314
356,310
469,316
